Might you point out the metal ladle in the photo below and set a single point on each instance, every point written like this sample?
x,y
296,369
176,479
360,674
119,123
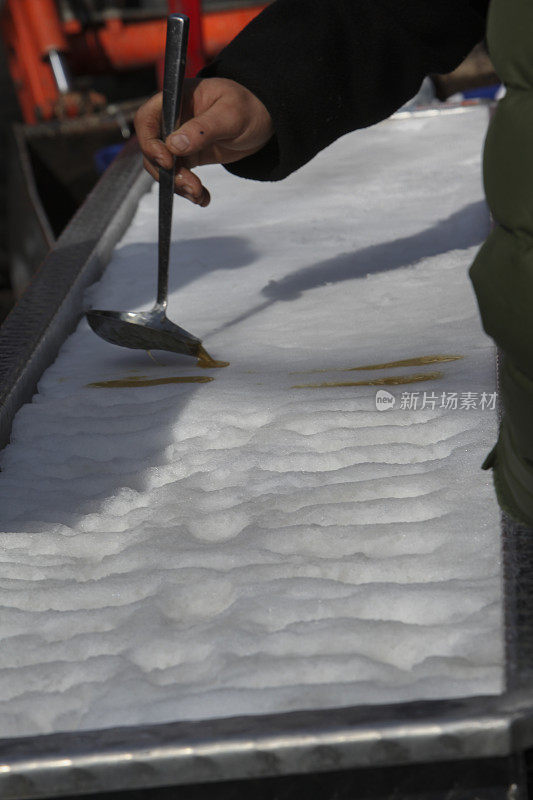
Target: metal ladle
x,y
152,330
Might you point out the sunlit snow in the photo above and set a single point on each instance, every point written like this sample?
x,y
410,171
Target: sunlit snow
x,y
186,551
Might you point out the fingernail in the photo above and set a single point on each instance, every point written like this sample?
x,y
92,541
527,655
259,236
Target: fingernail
x,y
188,194
179,142
161,161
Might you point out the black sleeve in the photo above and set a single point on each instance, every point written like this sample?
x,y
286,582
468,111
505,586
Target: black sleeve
x,y
326,67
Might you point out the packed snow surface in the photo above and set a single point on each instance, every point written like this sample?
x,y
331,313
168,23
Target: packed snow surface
x,y
243,546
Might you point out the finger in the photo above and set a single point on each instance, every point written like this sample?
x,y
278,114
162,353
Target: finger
x,y
217,123
206,198
149,167
186,184
189,182
147,122
189,185
202,200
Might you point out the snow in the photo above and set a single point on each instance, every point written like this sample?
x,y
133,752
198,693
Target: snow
x,y
241,546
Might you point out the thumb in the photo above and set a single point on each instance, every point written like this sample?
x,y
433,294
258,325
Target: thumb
x,y
218,122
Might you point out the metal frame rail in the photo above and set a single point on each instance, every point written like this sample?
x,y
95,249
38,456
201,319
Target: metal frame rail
x,y
51,306
416,733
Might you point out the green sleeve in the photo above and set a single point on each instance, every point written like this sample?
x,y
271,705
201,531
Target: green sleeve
x,y
502,273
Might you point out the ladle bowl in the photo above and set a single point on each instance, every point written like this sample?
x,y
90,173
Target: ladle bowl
x,y
143,330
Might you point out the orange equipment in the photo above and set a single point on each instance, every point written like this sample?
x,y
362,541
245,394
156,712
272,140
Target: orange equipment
x,y
48,49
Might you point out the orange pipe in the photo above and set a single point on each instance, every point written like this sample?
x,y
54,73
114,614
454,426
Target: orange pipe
x,y
118,46
38,92
129,46
42,16
220,27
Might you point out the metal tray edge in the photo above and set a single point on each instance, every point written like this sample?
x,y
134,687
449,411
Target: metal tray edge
x,y
51,306
266,746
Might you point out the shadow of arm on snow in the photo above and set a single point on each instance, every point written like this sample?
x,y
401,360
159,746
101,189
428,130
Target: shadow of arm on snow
x,y
465,228
461,230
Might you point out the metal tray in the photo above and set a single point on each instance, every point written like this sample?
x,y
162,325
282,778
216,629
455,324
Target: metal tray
x,y
416,733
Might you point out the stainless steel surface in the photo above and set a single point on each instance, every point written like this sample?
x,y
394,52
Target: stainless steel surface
x,y
143,330
30,235
51,172
52,304
270,745
152,330
60,71
116,111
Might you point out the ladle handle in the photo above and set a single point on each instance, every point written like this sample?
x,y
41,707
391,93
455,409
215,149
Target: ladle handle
x,y
175,60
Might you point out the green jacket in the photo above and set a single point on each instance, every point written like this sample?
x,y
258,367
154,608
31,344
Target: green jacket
x,y
502,273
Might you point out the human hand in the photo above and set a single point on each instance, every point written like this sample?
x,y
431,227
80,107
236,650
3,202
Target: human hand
x,y
221,122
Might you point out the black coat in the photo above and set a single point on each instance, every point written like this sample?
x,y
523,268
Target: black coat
x,y
326,67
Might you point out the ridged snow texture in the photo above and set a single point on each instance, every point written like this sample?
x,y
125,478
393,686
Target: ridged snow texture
x,y
241,546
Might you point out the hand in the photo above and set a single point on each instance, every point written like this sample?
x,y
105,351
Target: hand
x,y
221,122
